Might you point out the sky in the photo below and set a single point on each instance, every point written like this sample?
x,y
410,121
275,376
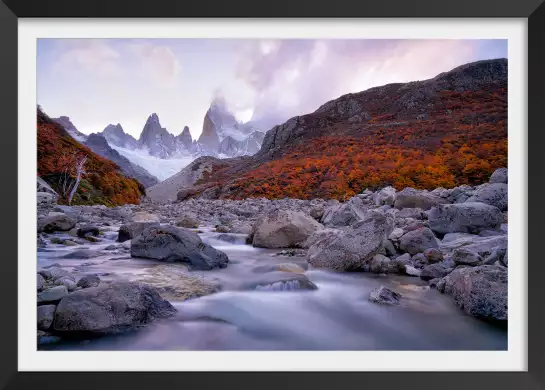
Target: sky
x,y
96,82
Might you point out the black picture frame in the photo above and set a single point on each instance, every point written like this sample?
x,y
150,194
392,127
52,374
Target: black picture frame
x,y
531,10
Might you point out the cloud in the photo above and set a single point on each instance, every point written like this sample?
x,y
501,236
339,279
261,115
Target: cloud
x,y
296,76
157,62
88,55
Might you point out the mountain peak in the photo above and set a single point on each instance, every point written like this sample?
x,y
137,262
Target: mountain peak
x,y
153,118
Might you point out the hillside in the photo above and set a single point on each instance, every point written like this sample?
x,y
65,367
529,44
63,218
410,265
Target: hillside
x,y
103,182
445,131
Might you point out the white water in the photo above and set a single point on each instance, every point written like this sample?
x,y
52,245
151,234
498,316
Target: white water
x,y
336,316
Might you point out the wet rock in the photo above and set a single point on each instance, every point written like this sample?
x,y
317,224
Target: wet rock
x,y
480,291
417,241
223,229
55,221
88,281
45,316
110,309
353,247
411,271
379,264
282,281
82,254
411,198
484,246
434,271
464,218
131,230
45,338
284,229
384,295
292,253
499,176
85,231
52,295
177,244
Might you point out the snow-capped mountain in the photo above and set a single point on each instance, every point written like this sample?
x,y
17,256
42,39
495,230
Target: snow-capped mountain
x,y
164,154
159,142
65,122
115,135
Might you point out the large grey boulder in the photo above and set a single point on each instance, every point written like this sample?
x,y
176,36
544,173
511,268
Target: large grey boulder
x,y
176,244
42,186
284,229
499,176
40,281
55,221
386,196
433,271
417,241
480,291
354,246
484,246
112,308
45,198
133,229
494,194
319,235
88,281
469,217
411,198
344,214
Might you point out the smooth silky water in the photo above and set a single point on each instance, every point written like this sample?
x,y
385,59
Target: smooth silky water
x,y
336,316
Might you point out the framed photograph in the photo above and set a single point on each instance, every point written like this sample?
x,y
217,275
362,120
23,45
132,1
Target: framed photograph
x,y
325,194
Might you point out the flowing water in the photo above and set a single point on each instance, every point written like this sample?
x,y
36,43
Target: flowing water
x,y
336,316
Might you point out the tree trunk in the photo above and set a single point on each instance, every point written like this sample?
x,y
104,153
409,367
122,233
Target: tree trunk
x,y
79,171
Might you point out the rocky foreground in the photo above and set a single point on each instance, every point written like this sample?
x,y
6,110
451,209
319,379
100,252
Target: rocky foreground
x,y
455,239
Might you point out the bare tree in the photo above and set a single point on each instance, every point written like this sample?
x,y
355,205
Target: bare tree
x,y
68,184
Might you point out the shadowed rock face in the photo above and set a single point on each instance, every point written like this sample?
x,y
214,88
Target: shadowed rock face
x,y
176,244
110,308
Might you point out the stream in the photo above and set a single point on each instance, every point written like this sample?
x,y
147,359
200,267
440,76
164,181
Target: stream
x,y
336,316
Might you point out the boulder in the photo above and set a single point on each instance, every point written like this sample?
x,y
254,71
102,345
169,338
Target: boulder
x,y
415,213
177,244
320,235
187,222
42,186
88,281
53,273
499,176
386,196
494,194
53,294
417,241
68,282
354,246
55,221
46,313
396,234
469,217
411,198
464,256
384,295
131,230
484,246
284,229
380,264
411,271
142,216
281,281
480,291
344,214
433,255
241,228
88,230
109,309
433,271
82,254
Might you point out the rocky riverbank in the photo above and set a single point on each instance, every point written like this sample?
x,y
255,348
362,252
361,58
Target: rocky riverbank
x,y
453,240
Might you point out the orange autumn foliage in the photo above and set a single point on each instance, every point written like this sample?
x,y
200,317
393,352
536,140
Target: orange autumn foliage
x,y
101,184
